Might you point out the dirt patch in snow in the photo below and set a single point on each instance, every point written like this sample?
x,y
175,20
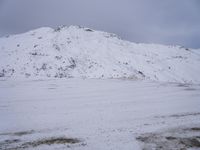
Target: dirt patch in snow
x,y
20,133
17,144
180,115
190,89
183,85
177,139
51,141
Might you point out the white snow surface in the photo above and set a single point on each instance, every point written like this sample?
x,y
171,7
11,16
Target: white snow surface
x,y
79,52
103,114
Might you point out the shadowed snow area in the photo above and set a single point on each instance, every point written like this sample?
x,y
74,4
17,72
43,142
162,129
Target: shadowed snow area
x,y
75,51
95,114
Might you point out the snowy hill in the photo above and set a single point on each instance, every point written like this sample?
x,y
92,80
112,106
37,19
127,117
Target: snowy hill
x,y
81,52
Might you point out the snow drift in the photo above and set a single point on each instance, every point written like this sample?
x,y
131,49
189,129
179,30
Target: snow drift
x,y
74,51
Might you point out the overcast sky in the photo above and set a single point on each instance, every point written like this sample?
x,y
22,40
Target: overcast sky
x,y
149,21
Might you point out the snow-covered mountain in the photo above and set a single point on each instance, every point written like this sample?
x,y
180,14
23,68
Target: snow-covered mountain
x,y
81,52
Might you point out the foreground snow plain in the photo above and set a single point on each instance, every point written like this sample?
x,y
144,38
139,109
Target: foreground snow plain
x,y
102,114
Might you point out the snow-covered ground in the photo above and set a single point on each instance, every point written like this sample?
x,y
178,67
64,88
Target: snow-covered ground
x,y
98,114
77,88
74,51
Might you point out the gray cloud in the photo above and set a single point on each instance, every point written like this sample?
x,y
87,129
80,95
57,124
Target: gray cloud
x,y
152,21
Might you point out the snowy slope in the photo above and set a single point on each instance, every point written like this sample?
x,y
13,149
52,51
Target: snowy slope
x,y
81,52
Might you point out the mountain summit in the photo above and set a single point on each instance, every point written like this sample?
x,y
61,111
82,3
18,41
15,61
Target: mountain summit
x,y
80,52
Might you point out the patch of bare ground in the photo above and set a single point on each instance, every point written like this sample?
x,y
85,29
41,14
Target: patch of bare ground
x,y
51,141
18,145
180,115
20,133
190,89
183,85
176,139
6,144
